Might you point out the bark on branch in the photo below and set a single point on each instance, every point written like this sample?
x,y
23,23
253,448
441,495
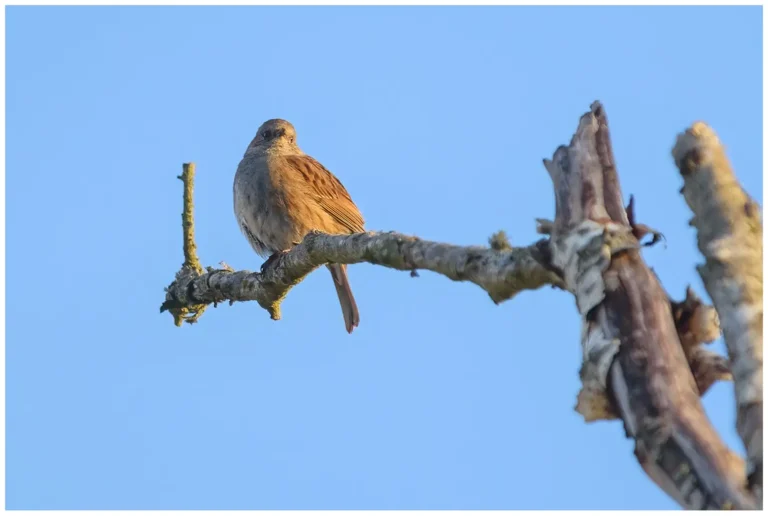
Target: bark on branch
x,y
634,361
643,359
502,273
730,236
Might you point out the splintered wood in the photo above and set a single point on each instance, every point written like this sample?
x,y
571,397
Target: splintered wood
x,y
635,365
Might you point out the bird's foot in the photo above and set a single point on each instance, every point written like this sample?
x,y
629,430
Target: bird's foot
x,y
271,260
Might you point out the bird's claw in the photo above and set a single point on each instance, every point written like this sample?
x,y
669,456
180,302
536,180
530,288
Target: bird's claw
x,y
271,260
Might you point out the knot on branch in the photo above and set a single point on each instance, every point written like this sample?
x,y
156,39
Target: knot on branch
x,y
184,307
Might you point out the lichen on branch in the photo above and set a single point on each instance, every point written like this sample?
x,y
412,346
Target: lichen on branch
x,y
502,272
730,237
191,266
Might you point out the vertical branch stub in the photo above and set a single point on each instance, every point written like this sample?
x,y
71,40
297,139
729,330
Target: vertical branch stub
x,y
188,219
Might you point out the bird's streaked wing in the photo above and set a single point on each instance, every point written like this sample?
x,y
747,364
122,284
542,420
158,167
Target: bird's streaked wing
x,y
328,192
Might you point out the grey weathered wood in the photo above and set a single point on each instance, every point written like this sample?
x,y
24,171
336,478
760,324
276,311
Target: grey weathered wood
x,y
730,236
501,273
634,361
643,358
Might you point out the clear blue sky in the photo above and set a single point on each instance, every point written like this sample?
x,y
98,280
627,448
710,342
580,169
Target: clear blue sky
x,y
436,120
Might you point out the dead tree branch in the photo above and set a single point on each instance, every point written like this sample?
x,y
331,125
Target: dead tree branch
x,y
643,355
501,273
730,232
634,361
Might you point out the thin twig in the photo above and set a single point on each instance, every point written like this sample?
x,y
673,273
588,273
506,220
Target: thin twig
x,y
188,218
191,267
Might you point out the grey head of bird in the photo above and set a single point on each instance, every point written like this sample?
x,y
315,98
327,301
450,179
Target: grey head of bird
x,y
275,133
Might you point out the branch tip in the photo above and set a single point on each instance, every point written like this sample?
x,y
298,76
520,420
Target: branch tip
x,y
188,219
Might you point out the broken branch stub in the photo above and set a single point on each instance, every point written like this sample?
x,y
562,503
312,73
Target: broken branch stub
x,y
634,364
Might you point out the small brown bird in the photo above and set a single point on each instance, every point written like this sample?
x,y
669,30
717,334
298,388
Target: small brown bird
x,y
281,194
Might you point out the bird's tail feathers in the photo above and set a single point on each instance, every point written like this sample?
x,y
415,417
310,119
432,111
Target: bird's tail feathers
x,y
346,299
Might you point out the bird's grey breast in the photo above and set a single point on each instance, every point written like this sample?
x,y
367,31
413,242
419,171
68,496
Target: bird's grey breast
x,y
251,196
260,204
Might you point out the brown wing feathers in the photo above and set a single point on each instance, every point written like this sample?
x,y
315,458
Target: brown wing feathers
x,y
328,192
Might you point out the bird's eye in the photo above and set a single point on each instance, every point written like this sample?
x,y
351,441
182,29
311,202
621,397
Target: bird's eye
x,y
290,139
265,135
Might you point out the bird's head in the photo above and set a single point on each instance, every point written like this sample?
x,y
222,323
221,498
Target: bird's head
x,y
274,133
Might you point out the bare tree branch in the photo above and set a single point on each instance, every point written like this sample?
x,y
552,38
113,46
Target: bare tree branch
x,y
730,232
633,356
643,355
501,273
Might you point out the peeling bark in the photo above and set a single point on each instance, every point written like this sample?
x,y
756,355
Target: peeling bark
x,y
633,356
730,236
